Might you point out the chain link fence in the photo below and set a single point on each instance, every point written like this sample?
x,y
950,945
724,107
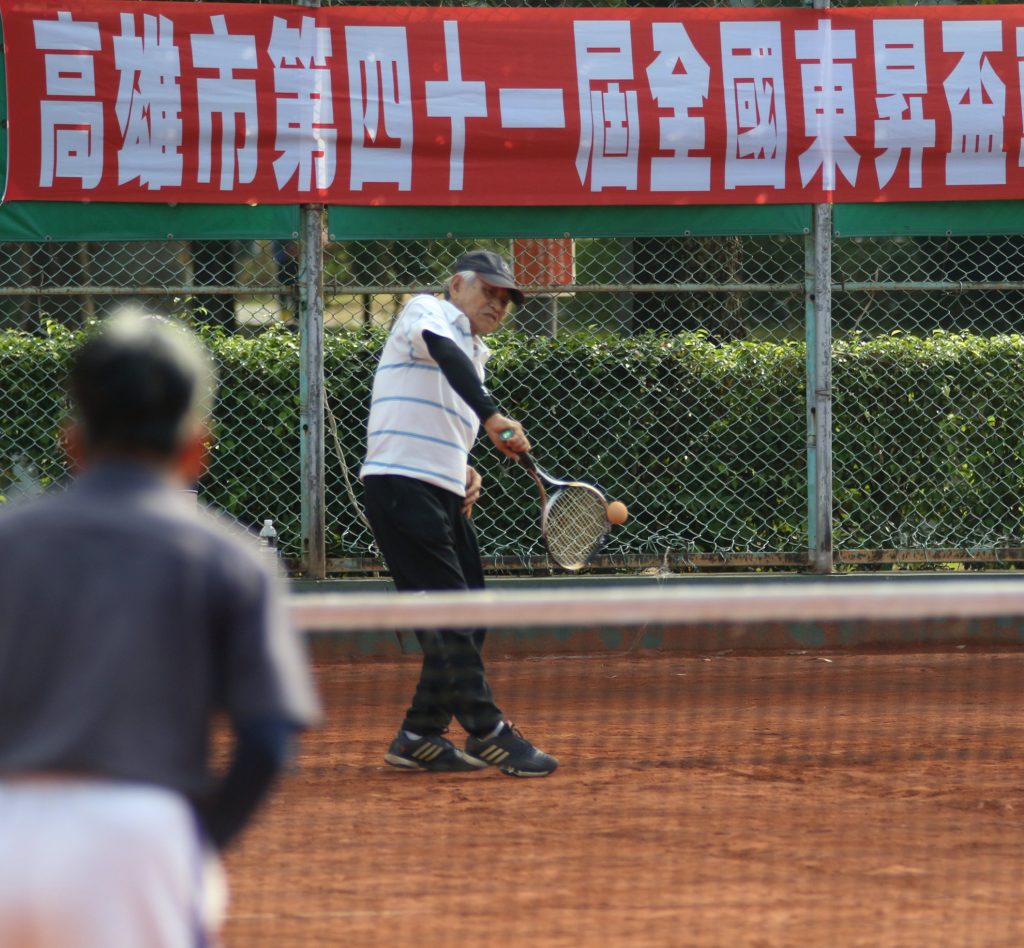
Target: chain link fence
x,y
717,291
233,286
730,444
721,293
957,484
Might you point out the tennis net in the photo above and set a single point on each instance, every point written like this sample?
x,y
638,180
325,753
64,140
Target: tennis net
x,y
793,762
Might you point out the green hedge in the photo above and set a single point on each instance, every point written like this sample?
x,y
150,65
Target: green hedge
x,y
32,407
928,444
706,442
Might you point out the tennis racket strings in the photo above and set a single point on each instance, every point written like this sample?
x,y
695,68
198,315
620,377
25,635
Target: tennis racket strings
x,y
575,524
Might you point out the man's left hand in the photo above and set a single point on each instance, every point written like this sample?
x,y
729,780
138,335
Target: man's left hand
x,y
473,482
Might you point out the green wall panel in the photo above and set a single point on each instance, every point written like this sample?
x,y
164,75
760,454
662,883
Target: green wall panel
x,y
57,221
381,223
934,219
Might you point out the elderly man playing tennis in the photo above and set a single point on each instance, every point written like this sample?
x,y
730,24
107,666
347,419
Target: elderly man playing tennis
x,y
428,403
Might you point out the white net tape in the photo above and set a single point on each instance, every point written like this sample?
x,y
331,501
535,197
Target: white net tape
x,y
748,603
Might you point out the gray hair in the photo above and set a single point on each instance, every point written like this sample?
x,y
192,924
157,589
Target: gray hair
x,y
470,276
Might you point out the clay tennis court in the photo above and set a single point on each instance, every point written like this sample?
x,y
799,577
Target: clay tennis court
x,y
809,799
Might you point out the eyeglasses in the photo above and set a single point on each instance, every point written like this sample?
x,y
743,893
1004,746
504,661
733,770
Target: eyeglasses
x,y
495,294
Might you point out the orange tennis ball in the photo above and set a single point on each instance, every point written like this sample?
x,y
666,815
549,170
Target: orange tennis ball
x,y
617,512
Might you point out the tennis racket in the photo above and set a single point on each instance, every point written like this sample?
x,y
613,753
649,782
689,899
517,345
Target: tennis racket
x,y
573,515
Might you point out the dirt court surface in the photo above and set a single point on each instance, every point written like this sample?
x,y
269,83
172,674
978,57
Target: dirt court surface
x,y
816,799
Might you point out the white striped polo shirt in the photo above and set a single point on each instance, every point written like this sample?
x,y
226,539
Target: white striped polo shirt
x,y
418,426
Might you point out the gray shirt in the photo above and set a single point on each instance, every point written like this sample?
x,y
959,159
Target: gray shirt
x,y
127,618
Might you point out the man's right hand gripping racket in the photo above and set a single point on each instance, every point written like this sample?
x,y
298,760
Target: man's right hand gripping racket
x,y
574,516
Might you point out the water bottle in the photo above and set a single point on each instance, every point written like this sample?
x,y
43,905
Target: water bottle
x,y
268,537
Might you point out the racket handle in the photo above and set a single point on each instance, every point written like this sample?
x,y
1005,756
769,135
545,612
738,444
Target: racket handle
x,y
524,456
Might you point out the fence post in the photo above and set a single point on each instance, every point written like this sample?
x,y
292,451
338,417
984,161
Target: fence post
x,y
817,263
818,284
810,413
311,384
820,399
311,391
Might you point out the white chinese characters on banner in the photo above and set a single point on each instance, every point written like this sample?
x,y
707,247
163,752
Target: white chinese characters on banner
x,y
231,99
241,105
901,82
148,106
381,105
71,119
306,138
976,97
531,108
755,105
830,107
456,99
609,147
679,78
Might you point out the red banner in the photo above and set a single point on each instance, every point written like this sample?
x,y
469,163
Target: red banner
x,y
177,102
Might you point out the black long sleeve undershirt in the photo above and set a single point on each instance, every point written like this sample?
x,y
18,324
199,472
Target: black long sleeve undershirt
x,y
460,373
261,751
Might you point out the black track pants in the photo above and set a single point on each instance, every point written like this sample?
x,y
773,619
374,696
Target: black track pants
x,y
429,544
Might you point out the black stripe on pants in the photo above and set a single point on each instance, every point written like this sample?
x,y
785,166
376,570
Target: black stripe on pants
x,y
429,544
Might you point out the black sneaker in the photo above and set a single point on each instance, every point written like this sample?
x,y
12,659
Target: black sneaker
x,y
432,752
511,753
